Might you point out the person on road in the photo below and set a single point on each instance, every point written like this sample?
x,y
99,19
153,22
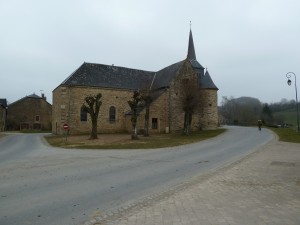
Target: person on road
x,y
259,124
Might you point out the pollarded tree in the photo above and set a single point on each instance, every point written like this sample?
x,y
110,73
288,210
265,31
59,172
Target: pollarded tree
x,y
92,106
134,104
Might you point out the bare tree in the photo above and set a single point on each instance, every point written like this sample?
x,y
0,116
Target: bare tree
x,y
241,111
267,115
134,104
92,106
190,102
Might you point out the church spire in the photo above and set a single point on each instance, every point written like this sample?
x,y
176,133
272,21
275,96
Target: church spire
x,y
191,55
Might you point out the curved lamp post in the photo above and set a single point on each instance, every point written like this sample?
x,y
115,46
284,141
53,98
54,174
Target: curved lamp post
x,y
289,82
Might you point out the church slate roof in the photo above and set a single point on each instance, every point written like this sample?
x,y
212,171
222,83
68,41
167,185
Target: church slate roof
x,y
191,50
165,76
110,76
206,82
3,102
100,75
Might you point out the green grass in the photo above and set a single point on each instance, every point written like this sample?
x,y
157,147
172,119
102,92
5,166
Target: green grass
x,y
287,134
153,141
289,116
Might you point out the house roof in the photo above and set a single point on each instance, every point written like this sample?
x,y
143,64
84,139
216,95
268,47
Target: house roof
x,y
30,96
100,75
33,96
3,102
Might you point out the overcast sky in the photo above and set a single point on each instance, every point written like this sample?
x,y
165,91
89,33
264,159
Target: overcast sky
x,y
247,46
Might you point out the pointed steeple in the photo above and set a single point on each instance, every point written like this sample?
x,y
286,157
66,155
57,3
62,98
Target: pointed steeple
x,y
191,55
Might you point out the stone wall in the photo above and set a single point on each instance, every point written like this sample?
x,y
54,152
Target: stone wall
x,y
184,83
67,102
206,112
2,118
159,111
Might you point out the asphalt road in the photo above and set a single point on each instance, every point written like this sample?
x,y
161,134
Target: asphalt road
x,y
44,185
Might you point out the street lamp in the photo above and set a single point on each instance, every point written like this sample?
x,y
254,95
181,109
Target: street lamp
x,y
289,82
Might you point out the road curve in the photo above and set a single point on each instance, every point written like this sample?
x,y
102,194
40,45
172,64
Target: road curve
x,y
44,185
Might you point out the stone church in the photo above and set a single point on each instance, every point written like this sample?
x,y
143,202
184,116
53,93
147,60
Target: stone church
x,y
117,84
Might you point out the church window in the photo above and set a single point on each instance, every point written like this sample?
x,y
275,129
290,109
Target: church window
x,y
154,123
112,114
83,115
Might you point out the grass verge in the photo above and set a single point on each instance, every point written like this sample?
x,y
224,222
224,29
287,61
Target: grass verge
x,y
153,141
287,134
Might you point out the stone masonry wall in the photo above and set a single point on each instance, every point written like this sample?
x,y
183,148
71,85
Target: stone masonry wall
x,y
159,109
68,102
178,91
2,118
206,113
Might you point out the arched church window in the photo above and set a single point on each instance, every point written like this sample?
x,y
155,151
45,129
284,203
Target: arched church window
x,y
112,114
83,115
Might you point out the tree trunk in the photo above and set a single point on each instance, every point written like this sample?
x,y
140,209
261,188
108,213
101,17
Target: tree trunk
x,y
134,132
187,123
94,133
146,131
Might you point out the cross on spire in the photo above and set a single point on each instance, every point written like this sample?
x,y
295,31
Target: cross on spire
x,y
191,50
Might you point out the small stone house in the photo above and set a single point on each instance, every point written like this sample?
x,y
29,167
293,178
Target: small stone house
x,y
29,113
117,84
3,113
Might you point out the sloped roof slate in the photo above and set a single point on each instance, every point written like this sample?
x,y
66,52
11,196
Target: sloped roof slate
x,y
164,76
207,83
100,75
3,102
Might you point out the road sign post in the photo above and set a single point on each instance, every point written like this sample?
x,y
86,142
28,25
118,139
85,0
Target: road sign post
x,y
66,128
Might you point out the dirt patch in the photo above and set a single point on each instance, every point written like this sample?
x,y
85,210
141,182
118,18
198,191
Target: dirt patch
x,y
124,141
102,139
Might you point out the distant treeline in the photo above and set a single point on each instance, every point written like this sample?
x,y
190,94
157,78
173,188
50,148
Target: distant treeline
x,y
283,105
247,111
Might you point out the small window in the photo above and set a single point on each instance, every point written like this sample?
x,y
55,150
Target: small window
x,y
112,114
37,118
154,123
83,115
